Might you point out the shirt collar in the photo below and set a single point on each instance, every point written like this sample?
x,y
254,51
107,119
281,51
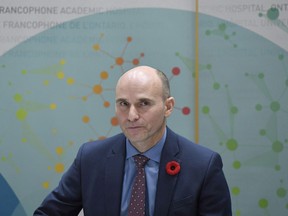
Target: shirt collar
x,y
153,154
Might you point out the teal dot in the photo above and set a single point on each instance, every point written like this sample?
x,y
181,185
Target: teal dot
x,y
262,132
226,37
216,86
275,106
277,146
286,82
258,107
261,76
263,203
260,14
205,110
234,110
273,13
232,144
281,192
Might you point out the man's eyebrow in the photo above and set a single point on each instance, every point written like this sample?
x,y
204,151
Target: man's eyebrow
x,y
120,99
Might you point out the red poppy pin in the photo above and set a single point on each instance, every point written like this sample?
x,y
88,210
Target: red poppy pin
x,y
173,168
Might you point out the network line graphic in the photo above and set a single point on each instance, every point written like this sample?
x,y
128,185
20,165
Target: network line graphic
x,y
118,60
273,15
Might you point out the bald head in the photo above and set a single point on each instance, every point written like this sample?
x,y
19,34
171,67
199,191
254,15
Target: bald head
x,y
146,75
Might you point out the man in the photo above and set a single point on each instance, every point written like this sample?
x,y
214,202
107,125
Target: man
x,y
181,178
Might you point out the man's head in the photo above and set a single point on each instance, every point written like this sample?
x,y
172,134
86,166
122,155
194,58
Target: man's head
x,y
143,103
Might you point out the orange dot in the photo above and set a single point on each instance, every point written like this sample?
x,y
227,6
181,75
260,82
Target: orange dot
x,y
97,89
129,39
114,121
106,104
86,119
119,61
96,47
104,75
101,137
135,61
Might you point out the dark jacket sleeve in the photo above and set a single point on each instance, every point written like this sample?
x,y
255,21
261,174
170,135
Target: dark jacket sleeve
x,y
65,199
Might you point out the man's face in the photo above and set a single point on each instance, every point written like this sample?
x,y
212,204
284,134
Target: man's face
x,y
140,108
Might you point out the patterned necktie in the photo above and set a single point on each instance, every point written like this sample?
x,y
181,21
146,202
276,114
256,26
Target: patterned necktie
x,y
137,200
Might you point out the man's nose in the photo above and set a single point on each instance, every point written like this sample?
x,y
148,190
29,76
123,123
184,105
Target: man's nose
x,y
133,114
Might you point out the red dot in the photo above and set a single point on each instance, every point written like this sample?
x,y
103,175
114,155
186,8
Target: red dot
x,y
176,71
186,110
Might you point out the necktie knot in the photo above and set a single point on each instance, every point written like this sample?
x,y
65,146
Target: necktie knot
x,y
140,160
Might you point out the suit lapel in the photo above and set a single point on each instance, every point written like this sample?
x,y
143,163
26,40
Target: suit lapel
x,y
166,183
114,172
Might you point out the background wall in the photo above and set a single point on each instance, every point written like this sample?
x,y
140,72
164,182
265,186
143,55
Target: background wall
x,y
58,67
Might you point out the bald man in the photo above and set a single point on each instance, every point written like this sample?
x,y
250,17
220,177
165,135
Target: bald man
x,y
180,177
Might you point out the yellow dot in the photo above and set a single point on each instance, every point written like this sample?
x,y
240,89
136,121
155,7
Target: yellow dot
x,y
24,72
49,167
70,81
59,150
62,62
46,82
24,140
59,168
45,184
60,75
84,98
18,98
21,114
53,106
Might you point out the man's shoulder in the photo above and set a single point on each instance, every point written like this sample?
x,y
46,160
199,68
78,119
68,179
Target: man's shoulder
x,y
102,145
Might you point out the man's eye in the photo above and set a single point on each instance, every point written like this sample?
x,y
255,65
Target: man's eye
x,y
144,103
123,103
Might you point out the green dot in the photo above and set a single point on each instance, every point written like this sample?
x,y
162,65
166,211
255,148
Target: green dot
x,y
273,13
208,66
262,132
222,27
281,57
24,72
258,107
236,164
18,98
281,192
237,213
205,110
3,158
275,106
277,167
263,203
226,37
260,75
21,114
286,82
234,109
208,32
235,191
232,144
277,146
216,86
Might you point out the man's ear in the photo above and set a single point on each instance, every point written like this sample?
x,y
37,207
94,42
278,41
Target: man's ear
x,y
169,106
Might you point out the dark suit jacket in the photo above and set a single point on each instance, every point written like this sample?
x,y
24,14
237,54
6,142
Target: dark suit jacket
x,y
94,181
